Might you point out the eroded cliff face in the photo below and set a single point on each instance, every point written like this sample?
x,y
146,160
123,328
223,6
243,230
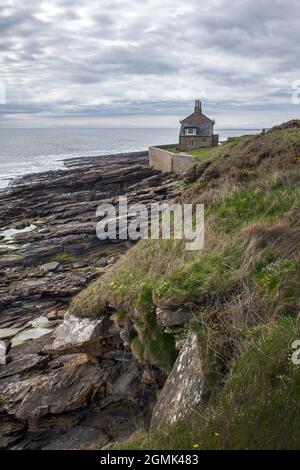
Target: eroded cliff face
x,y
81,387
81,399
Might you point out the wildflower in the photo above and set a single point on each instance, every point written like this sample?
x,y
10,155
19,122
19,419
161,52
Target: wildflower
x,y
216,434
195,446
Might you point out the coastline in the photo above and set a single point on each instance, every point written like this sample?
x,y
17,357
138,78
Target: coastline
x,y
28,151
41,270
71,163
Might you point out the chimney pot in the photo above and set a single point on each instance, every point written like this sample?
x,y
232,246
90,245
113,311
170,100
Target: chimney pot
x,y
198,106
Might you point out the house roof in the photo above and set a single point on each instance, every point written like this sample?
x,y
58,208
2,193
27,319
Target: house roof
x,y
202,129
196,117
197,120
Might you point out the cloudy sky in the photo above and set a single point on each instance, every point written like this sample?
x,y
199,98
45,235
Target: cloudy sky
x,y
143,62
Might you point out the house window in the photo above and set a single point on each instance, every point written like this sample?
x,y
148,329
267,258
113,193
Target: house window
x,y
203,139
191,131
191,143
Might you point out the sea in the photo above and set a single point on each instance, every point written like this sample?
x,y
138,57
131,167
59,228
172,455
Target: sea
x,y
24,151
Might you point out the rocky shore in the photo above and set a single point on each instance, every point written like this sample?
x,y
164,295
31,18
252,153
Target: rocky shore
x,y
68,385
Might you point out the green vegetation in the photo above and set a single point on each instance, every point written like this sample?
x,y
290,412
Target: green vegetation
x,y
258,408
203,154
242,289
65,257
253,203
172,149
274,143
211,153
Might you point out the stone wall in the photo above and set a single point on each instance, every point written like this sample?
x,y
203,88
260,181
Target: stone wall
x,y
160,159
167,162
184,142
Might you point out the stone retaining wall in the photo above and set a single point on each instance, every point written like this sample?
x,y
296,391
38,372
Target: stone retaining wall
x,y
167,162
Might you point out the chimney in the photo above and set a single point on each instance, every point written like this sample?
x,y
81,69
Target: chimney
x,y
198,106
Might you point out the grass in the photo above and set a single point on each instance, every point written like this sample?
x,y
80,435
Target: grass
x,y
172,149
202,154
168,276
211,153
259,407
183,277
242,290
65,257
251,203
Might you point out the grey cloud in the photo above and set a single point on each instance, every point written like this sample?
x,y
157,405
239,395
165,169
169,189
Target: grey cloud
x,y
90,58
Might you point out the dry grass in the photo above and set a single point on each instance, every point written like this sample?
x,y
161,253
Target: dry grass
x,y
245,280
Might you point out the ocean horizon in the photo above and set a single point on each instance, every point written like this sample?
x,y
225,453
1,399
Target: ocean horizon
x,y
25,150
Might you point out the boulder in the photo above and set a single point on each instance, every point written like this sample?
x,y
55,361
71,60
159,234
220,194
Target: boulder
x,y
72,386
183,389
82,334
50,267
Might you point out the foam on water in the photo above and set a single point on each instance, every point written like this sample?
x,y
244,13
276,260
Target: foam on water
x,y
24,151
10,232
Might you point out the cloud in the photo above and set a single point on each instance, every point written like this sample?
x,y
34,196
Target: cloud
x,y
76,59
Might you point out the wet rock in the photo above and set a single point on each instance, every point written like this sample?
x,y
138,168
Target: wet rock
x,y
63,206
183,389
78,438
6,333
51,385
29,334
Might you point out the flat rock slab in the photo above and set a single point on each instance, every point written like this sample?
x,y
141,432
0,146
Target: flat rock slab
x,y
23,365
52,266
183,389
68,388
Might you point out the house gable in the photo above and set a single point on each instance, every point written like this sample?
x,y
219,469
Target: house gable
x,y
197,130
197,118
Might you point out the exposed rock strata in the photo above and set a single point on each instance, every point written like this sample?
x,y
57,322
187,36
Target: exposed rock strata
x,y
41,270
80,388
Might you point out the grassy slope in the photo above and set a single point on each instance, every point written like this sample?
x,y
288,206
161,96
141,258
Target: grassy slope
x,y
258,407
242,289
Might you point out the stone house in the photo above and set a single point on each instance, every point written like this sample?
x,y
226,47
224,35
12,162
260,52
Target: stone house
x,y
197,131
